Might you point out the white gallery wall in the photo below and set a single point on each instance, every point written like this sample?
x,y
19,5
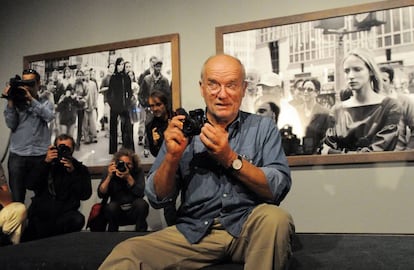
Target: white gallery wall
x,y
351,198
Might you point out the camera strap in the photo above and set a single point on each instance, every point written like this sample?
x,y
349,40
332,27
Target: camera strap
x,y
6,149
50,185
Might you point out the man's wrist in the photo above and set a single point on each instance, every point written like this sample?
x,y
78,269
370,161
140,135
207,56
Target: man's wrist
x,y
236,163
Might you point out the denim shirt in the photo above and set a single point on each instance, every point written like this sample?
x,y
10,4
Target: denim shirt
x,y
30,135
209,191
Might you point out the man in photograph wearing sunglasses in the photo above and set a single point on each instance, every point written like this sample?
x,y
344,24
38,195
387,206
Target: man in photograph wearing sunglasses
x,y
30,136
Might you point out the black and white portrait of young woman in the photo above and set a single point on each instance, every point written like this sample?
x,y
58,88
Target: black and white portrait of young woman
x,y
340,85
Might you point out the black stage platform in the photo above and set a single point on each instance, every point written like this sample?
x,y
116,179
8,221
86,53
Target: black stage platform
x,y
86,250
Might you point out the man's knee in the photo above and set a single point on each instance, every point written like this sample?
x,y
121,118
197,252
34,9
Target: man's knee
x,y
20,212
141,205
79,221
271,215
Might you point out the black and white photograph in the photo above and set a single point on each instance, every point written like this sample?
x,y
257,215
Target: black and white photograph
x,y
101,98
334,85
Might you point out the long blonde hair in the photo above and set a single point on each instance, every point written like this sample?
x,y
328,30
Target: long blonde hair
x,y
367,57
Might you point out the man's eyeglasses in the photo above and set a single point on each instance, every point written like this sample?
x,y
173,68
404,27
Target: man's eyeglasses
x,y
215,87
158,104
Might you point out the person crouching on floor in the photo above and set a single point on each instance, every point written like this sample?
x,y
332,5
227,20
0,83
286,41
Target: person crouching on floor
x,y
12,214
61,183
123,184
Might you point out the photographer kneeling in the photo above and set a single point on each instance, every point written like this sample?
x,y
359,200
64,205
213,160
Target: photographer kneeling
x,y
61,183
124,185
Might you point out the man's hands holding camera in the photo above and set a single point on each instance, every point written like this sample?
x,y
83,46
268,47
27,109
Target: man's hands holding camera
x,y
215,139
174,138
53,155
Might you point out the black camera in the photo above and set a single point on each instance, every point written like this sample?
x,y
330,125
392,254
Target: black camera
x,y
121,166
64,151
290,142
193,122
16,93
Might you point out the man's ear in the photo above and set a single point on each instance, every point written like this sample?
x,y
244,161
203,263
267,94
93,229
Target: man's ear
x,y
244,87
201,88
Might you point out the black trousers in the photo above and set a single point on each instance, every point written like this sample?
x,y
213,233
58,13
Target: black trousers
x,y
126,130
134,214
41,227
21,174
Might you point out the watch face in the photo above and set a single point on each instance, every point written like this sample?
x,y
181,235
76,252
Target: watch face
x,y
237,164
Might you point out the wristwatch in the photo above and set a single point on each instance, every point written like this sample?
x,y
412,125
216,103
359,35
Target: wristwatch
x,y
237,164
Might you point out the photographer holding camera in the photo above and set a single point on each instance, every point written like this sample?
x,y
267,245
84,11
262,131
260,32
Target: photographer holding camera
x,y
61,183
124,185
232,176
27,116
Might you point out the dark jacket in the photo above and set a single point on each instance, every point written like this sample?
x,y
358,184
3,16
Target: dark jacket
x,y
119,93
119,190
58,191
161,126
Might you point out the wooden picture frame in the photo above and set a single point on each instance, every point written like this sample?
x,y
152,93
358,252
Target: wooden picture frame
x,y
138,52
311,45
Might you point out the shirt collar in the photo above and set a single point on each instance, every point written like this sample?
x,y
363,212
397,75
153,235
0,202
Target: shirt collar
x,y
234,126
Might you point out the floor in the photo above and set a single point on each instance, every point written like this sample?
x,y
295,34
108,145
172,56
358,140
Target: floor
x,y
86,250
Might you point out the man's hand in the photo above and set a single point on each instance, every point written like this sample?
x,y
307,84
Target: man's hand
x,y
52,154
6,90
174,138
67,163
28,95
176,142
155,136
215,138
111,169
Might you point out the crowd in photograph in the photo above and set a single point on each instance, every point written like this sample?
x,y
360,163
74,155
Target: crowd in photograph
x,y
113,101
53,117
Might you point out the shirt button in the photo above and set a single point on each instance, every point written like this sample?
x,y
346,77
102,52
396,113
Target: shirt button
x,y
205,222
225,195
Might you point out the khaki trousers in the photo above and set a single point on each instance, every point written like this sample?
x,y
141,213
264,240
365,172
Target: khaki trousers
x,y
12,219
264,243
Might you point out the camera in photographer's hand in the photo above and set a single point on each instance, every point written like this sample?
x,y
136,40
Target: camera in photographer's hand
x,y
121,166
17,93
193,122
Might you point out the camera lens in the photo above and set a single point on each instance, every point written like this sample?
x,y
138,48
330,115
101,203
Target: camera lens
x,y
64,151
120,166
